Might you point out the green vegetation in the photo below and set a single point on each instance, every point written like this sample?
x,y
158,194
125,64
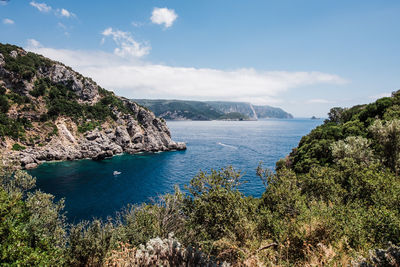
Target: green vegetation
x,y
314,148
18,147
234,116
47,100
32,229
26,65
178,109
210,110
88,126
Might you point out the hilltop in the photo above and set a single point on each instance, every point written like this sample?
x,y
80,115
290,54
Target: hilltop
x,y
211,110
51,112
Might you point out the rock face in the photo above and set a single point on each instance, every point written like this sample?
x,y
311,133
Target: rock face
x,y
127,136
137,130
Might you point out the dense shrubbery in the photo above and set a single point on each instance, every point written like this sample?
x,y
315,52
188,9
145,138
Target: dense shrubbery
x,y
32,229
314,148
329,215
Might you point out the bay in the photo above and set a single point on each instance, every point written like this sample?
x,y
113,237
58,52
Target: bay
x,y
91,189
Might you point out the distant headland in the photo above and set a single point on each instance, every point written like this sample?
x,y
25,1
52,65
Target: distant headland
x,y
211,110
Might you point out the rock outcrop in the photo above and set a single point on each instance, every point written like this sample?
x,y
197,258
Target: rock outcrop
x,y
130,130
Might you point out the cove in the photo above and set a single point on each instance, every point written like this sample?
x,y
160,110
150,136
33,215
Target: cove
x,y
91,189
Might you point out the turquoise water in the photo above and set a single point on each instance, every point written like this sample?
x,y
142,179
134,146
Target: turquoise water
x,y
91,190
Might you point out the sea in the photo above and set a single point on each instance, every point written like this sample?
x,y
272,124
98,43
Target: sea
x,y
98,189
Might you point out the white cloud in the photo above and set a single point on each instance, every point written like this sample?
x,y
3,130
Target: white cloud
x,y
61,12
137,79
375,97
127,46
163,16
137,24
33,44
62,26
42,7
4,2
8,21
65,13
319,101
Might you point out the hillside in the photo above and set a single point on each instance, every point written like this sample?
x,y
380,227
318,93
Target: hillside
x,y
211,110
314,148
50,112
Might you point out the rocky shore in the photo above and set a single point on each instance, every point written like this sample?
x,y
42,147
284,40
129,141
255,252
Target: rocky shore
x,y
129,127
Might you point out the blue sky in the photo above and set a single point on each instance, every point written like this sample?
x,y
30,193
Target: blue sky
x,y
304,56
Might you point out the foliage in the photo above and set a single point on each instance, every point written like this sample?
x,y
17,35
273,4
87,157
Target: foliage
x,y
314,148
88,243
4,104
25,65
32,229
17,147
160,252
354,147
88,126
387,135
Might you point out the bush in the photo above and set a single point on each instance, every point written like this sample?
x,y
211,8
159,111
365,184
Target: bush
x,y
18,147
31,228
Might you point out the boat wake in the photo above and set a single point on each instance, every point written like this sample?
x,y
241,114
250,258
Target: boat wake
x,y
225,145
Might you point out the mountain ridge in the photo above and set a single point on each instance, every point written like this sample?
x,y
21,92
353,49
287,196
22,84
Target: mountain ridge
x,y
211,110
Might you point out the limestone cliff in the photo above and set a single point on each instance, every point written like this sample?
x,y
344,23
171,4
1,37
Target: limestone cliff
x,y
50,112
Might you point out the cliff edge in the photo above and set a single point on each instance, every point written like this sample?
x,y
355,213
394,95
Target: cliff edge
x,y
50,112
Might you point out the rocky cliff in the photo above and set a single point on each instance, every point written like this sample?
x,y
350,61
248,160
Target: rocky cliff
x,y
50,112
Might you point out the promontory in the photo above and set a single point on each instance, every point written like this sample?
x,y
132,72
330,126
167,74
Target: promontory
x,y
50,112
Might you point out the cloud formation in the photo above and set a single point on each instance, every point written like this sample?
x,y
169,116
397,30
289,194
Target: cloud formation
x,y
163,16
42,7
8,21
127,46
375,97
319,101
65,13
33,44
4,2
137,79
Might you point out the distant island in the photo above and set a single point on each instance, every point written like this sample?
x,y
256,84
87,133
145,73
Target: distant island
x,y
211,110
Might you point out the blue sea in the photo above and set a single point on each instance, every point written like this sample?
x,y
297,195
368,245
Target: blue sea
x,y
91,190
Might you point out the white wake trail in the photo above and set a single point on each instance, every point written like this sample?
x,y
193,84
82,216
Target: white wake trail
x,y
225,145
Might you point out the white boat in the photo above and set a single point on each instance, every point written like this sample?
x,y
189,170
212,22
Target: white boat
x,y
116,173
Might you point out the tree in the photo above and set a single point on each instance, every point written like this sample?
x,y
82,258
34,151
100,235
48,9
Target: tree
x,y
388,136
354,147
335,114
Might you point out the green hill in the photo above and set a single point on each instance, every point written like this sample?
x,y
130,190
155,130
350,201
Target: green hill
x,y
211,110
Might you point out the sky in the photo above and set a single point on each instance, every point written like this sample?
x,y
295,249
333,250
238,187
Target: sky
x,y
303,56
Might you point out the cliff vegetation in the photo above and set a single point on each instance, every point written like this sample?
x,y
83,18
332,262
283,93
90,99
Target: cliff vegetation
x,y
211,110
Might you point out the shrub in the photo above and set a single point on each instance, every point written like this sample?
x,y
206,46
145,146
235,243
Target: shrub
x,y
32,229
18,147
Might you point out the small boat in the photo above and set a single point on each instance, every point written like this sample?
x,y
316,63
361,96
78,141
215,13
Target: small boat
x,y
116,173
